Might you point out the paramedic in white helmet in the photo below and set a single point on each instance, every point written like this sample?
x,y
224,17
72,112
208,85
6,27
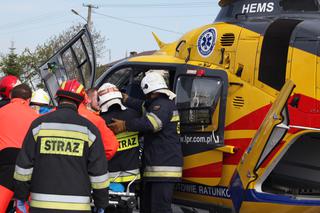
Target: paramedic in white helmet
x,y
162,155
40,101
124,166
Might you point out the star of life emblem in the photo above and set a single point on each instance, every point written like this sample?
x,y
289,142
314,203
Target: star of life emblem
x,y
206,42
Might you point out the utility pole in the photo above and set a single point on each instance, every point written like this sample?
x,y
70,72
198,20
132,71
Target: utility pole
x,y
12,48
89,22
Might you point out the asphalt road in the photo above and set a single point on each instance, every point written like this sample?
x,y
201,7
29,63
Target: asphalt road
x,y
176,209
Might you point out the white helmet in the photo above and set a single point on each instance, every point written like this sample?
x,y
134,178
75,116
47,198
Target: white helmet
x,y
109,95
154,82
40,97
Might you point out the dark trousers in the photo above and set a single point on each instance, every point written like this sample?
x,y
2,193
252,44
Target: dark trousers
x,y
157,197
8,158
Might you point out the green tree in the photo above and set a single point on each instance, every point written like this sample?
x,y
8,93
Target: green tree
x,y
11,64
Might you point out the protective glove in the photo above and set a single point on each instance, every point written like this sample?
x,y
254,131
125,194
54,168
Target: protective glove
x,y
21,207
117,126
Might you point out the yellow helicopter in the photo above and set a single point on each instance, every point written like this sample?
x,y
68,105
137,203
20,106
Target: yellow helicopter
x,y
249,143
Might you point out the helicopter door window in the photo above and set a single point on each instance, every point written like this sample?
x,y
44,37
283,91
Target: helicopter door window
x,y
86,44
197,101
70,65
81,60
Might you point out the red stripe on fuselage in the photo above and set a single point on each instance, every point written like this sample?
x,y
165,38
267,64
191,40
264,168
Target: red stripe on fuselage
x,y
251,121
206,171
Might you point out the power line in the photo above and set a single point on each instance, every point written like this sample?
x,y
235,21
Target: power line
x,y
161,5
32,20
32,28
177,16
137,23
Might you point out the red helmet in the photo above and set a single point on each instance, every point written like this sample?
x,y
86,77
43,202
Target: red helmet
x,y
6,85
72,89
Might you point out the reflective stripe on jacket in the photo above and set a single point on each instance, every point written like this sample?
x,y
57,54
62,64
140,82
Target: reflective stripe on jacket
x,y
124,176
60,202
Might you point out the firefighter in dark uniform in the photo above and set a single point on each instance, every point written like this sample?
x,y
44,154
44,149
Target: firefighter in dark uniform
x,y
62,159
124,166
7,83
162,156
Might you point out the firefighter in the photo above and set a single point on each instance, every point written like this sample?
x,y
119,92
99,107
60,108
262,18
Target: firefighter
x,y
162,156
7,83
109,140
124,166
62,159
40,101
15,119
93,100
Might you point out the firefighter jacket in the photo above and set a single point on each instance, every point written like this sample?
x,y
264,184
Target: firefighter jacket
x,y
109,140
162,155
124,166
15,119
61,160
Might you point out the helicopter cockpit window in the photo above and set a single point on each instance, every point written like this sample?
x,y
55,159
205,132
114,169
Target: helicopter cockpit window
x,y
197,100
120,77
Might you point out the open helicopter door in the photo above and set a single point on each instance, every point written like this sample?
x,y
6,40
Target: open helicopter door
x,y
75,60
201,101
269,135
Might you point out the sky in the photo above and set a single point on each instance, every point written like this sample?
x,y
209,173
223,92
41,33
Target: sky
x,y
127,25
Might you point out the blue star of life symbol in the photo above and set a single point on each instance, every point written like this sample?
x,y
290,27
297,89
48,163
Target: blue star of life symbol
x,y
206,42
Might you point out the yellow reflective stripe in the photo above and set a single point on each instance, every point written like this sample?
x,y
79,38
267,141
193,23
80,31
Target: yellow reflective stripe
x,y
79,89
63,84
21,177
101,185
154,122
175,118
125,178
162,174
60,205
63,133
